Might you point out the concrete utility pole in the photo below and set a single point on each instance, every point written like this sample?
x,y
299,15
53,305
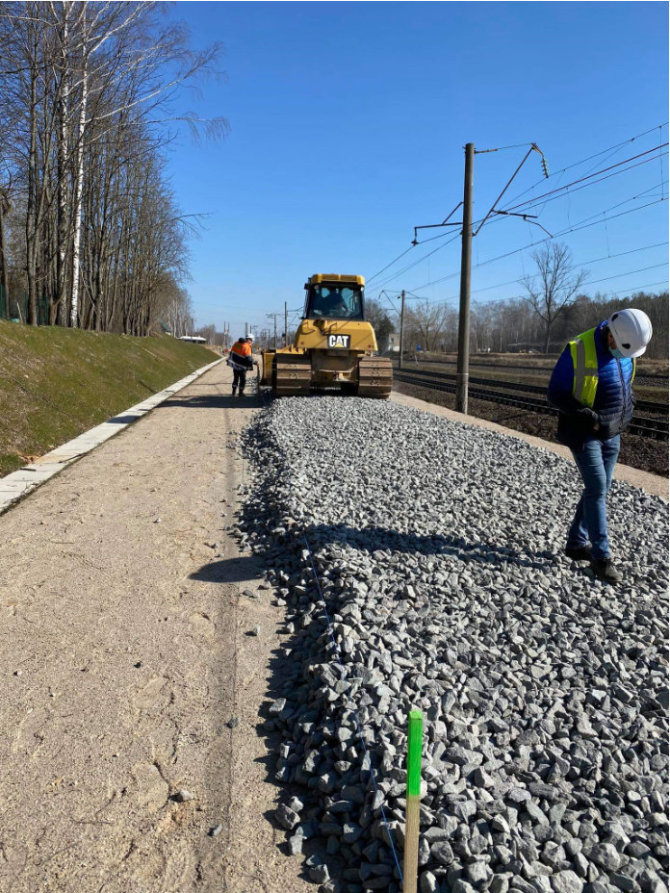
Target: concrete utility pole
x,y
274,316
285,324
463,363
402,324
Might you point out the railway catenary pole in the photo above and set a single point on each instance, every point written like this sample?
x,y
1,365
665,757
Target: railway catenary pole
x,y
463,361
402,325
274,316
285,324
462,367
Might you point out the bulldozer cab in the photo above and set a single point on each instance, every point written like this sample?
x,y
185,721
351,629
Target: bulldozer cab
x,y
333,299
334,346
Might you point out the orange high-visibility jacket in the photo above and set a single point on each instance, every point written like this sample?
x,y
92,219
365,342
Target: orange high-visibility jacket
x,y
241,348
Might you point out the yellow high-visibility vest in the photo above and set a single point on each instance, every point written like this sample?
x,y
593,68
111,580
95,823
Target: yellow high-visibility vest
x,y
585,368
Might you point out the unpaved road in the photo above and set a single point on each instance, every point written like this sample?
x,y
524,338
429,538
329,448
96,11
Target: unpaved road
x,y
125,654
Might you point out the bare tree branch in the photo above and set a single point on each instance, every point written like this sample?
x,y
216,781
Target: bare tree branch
x,y
552,290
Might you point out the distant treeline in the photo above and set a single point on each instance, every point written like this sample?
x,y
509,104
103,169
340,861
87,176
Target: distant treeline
x,y
502,326
90,233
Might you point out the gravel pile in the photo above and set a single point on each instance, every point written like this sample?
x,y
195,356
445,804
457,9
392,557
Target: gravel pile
x,y
545,694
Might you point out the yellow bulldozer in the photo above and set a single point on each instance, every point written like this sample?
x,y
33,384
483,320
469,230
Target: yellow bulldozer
x,y
334,346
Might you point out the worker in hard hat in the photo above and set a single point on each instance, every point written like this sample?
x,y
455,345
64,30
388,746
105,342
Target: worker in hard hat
x,y
591,386
241,361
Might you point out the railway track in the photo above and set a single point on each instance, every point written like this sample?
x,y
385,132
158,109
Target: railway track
x,y
650,379
656,428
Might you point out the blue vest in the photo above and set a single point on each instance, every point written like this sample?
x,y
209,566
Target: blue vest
x,y
603,384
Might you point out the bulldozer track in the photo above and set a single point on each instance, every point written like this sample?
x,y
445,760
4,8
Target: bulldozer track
x,y
375,377
291,376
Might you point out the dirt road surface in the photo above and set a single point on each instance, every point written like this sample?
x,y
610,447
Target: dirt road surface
x,y
128,671
131,671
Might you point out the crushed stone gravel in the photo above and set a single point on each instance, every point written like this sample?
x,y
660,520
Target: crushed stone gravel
x,y
439,554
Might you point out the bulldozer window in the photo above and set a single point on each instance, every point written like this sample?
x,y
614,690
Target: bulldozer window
x,y
335,301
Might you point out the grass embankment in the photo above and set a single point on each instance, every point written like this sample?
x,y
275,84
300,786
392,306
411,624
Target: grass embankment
x,y
57,383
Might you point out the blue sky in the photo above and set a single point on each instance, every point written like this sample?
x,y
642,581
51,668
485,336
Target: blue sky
x,y
347,127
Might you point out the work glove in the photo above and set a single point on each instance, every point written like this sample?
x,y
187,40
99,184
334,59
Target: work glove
x,y
590,417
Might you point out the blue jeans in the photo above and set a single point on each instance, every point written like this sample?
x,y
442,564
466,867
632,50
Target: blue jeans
x,y
596,461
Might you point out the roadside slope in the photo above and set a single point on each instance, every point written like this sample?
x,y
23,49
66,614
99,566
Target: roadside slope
x,y
56,383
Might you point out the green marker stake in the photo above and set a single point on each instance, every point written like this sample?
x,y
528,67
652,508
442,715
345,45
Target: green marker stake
x,y
411,861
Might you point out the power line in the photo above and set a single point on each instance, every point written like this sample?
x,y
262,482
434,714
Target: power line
x,y
530,203
571,192
539,198
383,293
576,264
410,294
564,232
647,285
662,184
629,273
424,242
501,148
613,149
587,282
370,278
425,256
597,260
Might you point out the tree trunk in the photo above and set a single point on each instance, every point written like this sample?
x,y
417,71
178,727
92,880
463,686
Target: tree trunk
x,y
59,311
3,256
79,180
31,235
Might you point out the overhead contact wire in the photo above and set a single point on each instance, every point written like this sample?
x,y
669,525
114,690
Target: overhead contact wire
x,y
543,198
594,260
425,256
573,229
529,203
613,149
370,278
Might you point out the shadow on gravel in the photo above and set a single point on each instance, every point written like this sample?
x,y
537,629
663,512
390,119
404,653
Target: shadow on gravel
x,y
374,539
285,674
229,570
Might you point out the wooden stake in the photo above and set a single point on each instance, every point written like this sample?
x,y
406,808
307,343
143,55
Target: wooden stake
x,y
411,860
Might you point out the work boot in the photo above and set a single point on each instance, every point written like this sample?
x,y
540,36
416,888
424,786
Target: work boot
x,y
579,553
603,569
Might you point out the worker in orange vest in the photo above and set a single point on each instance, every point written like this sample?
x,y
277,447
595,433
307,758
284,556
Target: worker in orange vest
x,y
241,361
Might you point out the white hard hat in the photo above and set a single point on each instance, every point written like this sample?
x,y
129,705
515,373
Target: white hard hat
x,y
631,330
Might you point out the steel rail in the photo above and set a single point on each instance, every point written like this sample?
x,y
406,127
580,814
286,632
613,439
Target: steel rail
x,y
641,425
645,405
539,369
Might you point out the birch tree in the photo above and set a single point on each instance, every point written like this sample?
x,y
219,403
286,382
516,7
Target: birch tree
x,y
92,89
